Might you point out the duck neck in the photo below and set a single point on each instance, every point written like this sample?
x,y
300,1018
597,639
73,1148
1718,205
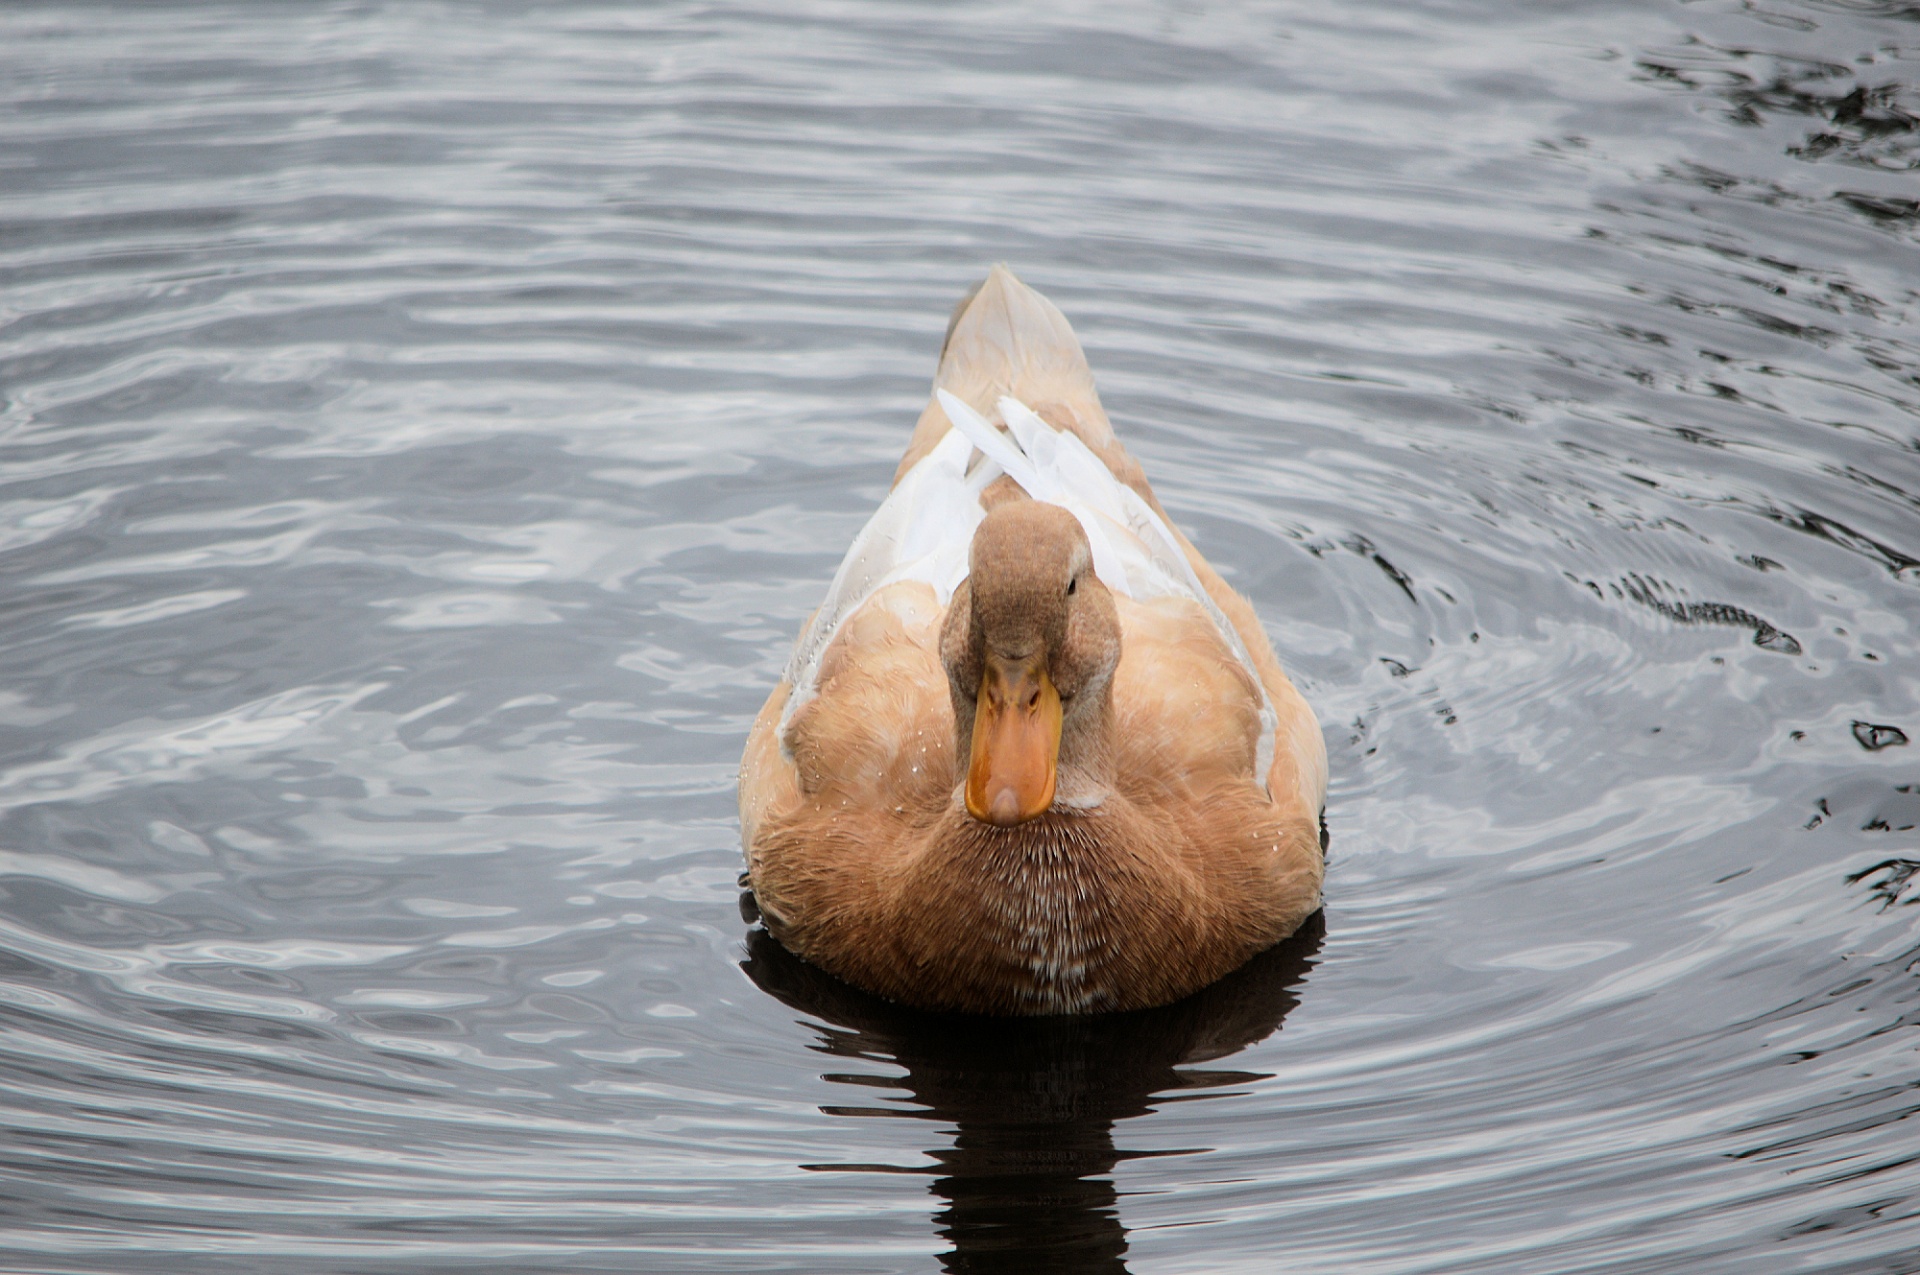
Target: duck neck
x,y
1084,777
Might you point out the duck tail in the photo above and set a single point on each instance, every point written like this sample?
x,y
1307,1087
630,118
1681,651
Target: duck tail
x,y
1006,339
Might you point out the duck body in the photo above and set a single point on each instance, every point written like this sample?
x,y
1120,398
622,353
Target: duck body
x,y
1032,755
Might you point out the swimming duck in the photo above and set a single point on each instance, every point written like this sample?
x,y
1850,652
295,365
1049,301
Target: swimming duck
x,y
1032,755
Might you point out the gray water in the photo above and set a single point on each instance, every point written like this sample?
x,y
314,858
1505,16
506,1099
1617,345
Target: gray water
x,y
423,429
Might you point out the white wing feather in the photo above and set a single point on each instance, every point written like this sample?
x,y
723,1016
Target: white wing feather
x,y
1037,475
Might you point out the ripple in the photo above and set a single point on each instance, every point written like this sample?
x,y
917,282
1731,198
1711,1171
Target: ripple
x,y
425,429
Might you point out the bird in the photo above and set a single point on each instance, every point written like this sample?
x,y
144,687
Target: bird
x,y
1032,755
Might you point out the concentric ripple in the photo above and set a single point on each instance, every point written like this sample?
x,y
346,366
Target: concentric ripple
x,y
423,429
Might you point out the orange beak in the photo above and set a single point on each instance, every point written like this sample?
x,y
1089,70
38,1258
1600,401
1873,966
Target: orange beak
x,y
1016,743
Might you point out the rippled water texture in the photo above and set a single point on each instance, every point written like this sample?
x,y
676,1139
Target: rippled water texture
x,y
424,428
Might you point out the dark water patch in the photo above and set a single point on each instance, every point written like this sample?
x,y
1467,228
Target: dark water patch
x,y
1857,107
1652,593
1873,738
1813,524
1365,548
1887,208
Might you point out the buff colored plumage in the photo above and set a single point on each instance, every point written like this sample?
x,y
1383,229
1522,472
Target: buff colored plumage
x,y
1032,755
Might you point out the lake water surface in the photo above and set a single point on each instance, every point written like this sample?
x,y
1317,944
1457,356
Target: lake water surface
x,y
423,429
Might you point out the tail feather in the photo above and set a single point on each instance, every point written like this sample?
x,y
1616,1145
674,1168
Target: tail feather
x,y
1006,340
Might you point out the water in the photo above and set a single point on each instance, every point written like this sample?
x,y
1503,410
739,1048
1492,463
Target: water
x,y
424,428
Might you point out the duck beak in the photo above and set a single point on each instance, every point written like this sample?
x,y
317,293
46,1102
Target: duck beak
x,y
1016,743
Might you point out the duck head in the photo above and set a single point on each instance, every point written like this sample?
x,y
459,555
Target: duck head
x,y
1030,644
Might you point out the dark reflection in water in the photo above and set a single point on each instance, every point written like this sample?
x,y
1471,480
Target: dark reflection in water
x,y
1033,1102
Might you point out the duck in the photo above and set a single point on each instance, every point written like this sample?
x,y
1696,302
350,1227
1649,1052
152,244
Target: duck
x,y
1032,755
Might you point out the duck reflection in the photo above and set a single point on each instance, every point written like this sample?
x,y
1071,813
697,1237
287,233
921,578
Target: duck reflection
x,y
1032,1101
